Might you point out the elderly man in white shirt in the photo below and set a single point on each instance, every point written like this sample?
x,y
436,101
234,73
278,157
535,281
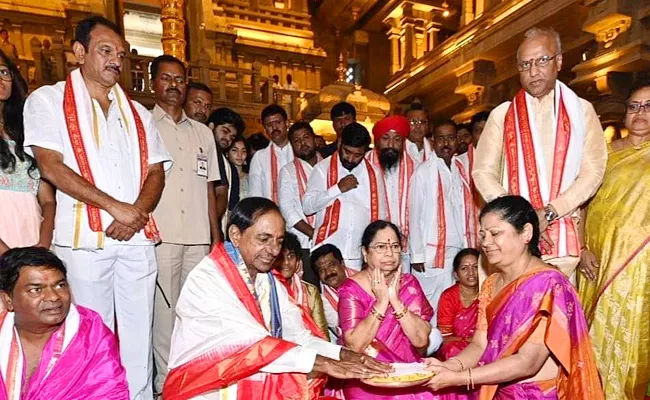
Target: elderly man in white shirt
x,y
437,216
417,145
264,173
104,155
238,335
346,193
397,167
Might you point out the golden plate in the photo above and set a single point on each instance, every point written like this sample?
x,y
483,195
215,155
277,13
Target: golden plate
x,y
400,381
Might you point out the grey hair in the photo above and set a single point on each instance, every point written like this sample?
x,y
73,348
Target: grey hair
x,y
548,32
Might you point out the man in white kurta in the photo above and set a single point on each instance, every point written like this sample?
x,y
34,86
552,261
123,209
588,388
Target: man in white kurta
x,y
237,334
346,193
417,145
90,139
547,145
293,186
437,216
264,173
397,168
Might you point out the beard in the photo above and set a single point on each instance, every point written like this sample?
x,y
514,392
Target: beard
x,y
462,147
388,158
348,165
307,155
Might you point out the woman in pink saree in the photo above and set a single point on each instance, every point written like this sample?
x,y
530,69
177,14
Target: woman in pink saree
x,y
458,305
531,339
384,313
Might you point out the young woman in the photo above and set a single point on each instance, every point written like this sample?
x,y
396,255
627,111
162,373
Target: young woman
x,y
27,204
238,156
458,306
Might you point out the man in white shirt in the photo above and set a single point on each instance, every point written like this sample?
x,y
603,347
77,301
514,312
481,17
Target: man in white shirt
x,y
346,193
437,216
238,335
397,167
186,213
293,185
104,155
417,145
264,173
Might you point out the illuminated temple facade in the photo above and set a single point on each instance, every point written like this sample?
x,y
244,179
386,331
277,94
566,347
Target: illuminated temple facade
x,y
456,56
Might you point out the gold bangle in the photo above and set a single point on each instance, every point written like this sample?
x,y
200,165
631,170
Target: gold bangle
x,y
471,380
462,366
376,314
401,313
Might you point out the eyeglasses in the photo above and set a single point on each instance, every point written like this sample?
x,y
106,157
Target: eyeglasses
x,y
636,107
416,122
5,74
543,61
383,247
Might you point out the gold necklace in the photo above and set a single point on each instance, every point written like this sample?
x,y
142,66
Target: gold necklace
x,y
634,146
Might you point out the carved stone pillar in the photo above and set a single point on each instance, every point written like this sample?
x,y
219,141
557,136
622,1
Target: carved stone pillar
x,y
467,15
474,79
173,37
395,64
317,77
59,56
222,85
409,41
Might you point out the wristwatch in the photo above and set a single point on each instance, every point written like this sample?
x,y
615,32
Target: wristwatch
x,y
549,214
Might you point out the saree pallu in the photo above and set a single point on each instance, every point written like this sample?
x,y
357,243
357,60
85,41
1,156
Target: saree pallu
x,y
455,320
515,313
617,231
390,344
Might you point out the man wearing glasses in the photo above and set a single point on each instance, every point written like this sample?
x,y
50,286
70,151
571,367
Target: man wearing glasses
x,y
546,145
417,144
186,213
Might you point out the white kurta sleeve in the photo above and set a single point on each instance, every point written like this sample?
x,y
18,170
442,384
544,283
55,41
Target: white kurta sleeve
x,y
289,196
39,120
424,193
255,176
318,196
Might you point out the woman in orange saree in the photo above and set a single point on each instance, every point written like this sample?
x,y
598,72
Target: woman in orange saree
x,y
616,295
458,305
531,339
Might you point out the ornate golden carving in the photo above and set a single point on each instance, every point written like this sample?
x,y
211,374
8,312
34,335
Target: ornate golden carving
x,y
173,37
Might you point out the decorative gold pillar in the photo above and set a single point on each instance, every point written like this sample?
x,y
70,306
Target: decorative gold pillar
x,y
173,21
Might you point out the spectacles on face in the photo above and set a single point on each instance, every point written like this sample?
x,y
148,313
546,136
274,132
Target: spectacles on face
x,y
383,248
418,122
636,107
5,74
540,62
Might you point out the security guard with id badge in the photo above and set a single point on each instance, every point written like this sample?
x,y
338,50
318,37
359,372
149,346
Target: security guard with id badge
x,y
186,213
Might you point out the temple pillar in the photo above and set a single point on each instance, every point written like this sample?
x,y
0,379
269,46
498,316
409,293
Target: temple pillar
x,y
395,64
409,41
467,15
173,37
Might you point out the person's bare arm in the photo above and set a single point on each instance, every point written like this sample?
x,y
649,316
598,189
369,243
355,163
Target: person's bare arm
x,y
215,221
69,182
305,228
47,201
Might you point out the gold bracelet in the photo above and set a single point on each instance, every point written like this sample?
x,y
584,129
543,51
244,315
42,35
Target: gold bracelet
x,y
462,366
401,313
467,381
376,314
471,380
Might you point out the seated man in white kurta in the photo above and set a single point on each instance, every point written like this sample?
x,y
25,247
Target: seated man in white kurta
x,y
237,334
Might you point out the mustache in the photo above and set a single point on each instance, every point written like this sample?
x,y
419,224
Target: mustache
x,y
173,90
115,68
330,276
